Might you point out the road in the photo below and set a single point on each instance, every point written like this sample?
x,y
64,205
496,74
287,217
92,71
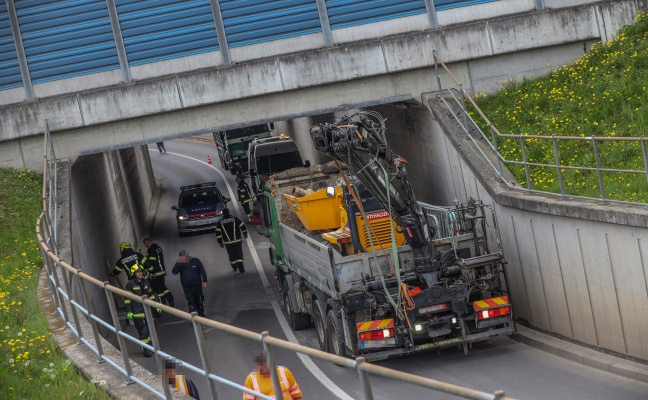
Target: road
x,y
250,301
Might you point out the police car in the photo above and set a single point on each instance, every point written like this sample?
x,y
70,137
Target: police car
x,y
199,207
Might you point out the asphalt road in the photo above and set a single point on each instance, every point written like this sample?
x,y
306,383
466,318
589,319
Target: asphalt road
x,y
250,301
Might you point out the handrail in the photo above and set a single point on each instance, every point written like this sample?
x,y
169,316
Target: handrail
x,y
57,270
558,166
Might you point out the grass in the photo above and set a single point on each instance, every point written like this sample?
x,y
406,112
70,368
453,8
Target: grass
x,y
31,365
602,94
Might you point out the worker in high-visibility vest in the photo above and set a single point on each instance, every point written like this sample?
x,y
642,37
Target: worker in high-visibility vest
x,y
261,382
180,382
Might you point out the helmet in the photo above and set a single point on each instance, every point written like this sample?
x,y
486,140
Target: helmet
x,y
124,245
135,268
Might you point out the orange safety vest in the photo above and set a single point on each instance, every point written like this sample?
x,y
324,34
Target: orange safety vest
x,y
287,390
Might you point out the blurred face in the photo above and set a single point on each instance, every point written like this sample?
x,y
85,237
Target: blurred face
x,y
148,243
183,258
139,273
263,368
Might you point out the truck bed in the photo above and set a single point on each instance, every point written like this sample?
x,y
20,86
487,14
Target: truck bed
x,y
329,270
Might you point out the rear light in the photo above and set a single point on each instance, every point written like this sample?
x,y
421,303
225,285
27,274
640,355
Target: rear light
x,y
377,334
493,312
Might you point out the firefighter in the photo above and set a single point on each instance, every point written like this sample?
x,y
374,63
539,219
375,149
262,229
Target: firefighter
x,y
135,310
154,265
244,196
229,233
129,257
261,382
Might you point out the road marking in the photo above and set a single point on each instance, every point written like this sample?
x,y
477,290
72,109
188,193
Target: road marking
x,y
306,360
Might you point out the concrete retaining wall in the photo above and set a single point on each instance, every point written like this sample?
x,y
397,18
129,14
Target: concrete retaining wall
x,y
113,196
576,268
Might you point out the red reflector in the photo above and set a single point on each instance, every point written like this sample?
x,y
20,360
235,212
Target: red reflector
x,y
377,334
493,312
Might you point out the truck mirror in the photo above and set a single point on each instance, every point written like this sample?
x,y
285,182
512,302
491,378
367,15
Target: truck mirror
x,y
174,208
330,191
226,200
307,164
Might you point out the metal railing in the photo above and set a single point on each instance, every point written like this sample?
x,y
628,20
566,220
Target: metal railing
x,y
459,96
79,315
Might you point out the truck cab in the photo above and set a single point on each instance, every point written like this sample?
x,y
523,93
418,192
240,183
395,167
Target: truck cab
x,y
271,156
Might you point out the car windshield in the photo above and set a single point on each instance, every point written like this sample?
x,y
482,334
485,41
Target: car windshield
x,y
196,198
276,163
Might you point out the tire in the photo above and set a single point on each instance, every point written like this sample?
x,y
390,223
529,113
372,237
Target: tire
x,y
335,335
320,324
297,321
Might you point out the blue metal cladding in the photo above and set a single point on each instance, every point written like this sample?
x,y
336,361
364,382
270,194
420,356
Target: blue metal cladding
x,y
254,21
10,76
66,38
344,13
155,30
441,5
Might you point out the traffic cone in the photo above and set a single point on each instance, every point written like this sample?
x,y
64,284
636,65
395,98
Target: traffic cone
x,y
209,161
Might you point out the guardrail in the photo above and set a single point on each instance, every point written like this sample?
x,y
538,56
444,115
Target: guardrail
x,y
459,95
79,312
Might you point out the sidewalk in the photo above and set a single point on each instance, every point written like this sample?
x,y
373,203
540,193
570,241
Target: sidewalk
x,y
581,354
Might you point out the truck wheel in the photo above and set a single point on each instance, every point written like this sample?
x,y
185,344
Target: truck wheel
x,y
320,324
335,335
296,320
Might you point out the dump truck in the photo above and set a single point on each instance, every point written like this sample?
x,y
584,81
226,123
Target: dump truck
x,y
376,272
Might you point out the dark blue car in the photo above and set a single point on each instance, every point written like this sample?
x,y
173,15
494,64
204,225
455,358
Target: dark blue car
x,y
199,207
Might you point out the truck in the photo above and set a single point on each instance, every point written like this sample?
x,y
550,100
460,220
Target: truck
x,y
376,272
232,145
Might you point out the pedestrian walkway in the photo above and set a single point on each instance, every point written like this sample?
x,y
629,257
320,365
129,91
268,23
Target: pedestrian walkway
x,y
581,354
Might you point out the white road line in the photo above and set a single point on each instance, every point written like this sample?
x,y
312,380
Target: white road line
x,y
308,362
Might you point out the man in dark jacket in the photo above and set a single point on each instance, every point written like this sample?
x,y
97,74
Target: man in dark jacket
x,y
193,279
154,265
129,257
229,233
135,310
244,196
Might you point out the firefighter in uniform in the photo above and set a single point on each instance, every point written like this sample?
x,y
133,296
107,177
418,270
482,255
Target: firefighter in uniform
x,y
135,310
129,257
229,233
261,382
244,196
154,265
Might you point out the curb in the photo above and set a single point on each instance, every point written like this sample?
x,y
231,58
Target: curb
x,y
581,354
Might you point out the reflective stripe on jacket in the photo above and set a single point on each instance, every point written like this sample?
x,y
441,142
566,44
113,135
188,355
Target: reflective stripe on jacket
x,y
230,231
263,384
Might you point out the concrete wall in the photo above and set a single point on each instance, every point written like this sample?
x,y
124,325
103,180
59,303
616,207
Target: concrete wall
x,y
306,83
112,196
576,268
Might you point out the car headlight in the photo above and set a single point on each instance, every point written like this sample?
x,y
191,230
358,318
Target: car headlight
x,y
182,218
